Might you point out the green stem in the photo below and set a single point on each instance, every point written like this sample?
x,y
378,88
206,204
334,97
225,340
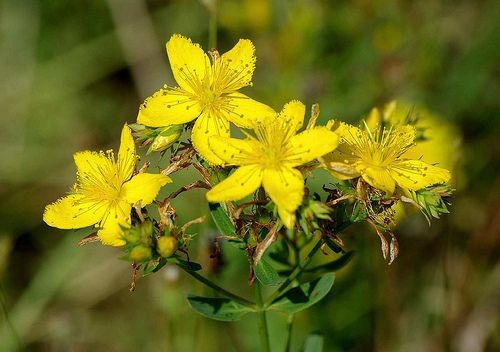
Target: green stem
x,y
8,322
295,273
289,325
261,312
219,289
212,25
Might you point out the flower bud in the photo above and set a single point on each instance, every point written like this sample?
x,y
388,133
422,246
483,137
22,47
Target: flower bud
x,y
140,254
166,138
166,246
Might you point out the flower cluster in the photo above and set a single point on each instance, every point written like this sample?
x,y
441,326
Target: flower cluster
x,y
372,167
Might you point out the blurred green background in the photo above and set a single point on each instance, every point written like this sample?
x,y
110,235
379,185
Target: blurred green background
x,y
72,72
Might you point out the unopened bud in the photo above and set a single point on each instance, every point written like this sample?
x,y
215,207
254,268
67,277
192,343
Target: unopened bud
x,y
166,138
166,246
140,254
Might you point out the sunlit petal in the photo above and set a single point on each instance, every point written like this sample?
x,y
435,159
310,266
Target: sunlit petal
x,y
285,186
311,144
245,112
242,182
167,107
233,151
117,217
236,66
188,61
144,188
415,174
126,155
205,127
287,217
379,178
73,212
293,114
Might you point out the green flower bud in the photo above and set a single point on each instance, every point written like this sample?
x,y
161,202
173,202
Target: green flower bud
x,y
140,254
167,137
166,246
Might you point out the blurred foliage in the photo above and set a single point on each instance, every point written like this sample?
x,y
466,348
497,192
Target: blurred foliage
x,y
73,72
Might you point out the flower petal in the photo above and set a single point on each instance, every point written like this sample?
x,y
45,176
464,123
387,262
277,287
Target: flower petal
x,y
415,174
143,188
126,155
206,126
379,178
293,114
236,66
97,167
73,212
245,112
285,187
338,168
117,217
242,182
168,106
233,151
311,144
188,61
287,217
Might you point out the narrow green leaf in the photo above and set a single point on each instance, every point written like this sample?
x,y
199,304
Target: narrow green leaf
x,y
333,265
333,245
223,309
313,343
266,274
225,225
304,296
187,265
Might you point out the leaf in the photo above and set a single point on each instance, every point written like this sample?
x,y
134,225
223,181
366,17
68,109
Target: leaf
x,y
184,264
266,274
313,343
223,309
333,245
333,265
153,267
304,296
225,226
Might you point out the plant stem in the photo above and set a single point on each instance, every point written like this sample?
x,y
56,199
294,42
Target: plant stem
x,y
261,312
219,289
295,273
289,325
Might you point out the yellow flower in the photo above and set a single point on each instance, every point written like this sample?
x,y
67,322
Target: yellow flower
x,y
379,156
207,92
104,192
271,159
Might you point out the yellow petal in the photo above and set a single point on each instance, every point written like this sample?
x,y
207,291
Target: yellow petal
x,y
285,187
293,114
245,112
188,62
415,174
340,170
143,188
242,182
167,107
374,119
379,178
73,212
126,155
237,66
233,151
206,126
287,217
96,166
116,218
311,144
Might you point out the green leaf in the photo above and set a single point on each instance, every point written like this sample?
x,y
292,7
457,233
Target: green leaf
x,y
153,266
223,309
184,264
266,274
304,296
333,265
313,343
333,245
225,225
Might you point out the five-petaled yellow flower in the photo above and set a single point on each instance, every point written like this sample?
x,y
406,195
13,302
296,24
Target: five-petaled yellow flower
x,y
270,159
207,91
104,192
378,156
